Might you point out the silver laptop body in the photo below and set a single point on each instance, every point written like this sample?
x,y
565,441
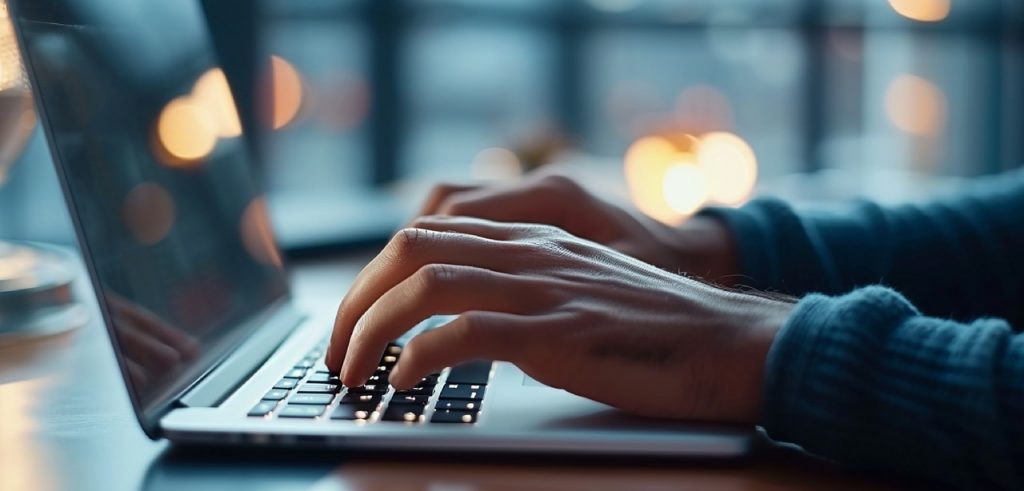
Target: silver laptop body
x,y
190,282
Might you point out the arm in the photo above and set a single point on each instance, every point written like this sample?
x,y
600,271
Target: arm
x,y
866,380
960,257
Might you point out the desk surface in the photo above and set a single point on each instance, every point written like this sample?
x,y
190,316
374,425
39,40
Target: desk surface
x,y
66,423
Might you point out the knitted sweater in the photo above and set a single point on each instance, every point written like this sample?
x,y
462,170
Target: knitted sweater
x,y
922,376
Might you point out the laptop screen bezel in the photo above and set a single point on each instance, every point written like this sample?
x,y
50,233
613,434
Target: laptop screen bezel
x,y
148,417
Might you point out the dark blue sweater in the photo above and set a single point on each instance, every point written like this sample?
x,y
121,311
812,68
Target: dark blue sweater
x,y
923,375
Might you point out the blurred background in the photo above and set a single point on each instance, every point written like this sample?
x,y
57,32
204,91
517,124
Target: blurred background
x,y
355,108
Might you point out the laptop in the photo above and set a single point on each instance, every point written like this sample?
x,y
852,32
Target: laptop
x,y
174,231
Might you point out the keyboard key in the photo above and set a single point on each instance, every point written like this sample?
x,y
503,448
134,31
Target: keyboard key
x,y
407,399
377,380
354,411
389,360
419,390
324,378
318,399
458,404
453,416
275,395
286,383
263,408
311,388
403,412
369,389
296,373
350,398
305,364
476,373
393,349
463,391
301,411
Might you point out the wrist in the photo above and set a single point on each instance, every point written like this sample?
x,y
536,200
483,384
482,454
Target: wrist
x,y
705,247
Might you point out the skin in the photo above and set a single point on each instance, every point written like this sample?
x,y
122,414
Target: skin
x,y
579,299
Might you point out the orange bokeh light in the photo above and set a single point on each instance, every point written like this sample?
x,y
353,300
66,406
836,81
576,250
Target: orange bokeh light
x,y
258,235
922,10
149,213
916,105
671,178
730,165
213,92
187,131
286,93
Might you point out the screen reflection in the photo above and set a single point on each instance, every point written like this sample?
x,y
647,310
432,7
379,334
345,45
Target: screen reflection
x,y
147,139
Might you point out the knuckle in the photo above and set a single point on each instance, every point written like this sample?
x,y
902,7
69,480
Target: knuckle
x,y
433,276
456,207
408,239
470,328
562,183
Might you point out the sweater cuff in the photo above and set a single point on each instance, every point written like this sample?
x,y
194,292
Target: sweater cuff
x,y
815,372
775,250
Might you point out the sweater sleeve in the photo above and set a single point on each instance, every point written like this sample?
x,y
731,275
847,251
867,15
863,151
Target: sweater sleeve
x,y
958,257
866,380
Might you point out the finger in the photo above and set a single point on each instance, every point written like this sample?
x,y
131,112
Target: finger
x,y
410,250
474,335
148,352
440,193
472,226
436,289
153,326
544,199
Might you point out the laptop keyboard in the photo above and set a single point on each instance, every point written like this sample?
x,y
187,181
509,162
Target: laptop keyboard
x,y
309,391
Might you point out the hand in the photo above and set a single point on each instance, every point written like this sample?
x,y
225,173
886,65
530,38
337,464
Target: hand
x,y
702,246
153,348
570,313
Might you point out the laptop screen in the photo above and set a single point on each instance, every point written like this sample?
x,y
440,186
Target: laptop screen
x,y
147,141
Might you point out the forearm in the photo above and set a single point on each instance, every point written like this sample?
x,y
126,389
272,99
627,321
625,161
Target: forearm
x,y
959,257
867,381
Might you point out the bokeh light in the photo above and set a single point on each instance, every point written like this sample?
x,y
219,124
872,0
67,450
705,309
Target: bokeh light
x,y
258,235
922,10
496,164
648,162
149,213
286,93
730,165
672,177
213,92
916,105
685,188
187,131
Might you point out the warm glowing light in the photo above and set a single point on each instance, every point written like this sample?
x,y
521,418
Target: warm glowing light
x,y
258,235
922,10
685,188
187,131
213,92
730,165
647,162
286,95
28,459
148,212
915,105
496,163
670,178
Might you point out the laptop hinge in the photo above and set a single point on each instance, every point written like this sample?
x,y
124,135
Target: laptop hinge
x,y
230,374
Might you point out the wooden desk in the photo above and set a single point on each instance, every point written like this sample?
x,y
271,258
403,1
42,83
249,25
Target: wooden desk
x,y
66,423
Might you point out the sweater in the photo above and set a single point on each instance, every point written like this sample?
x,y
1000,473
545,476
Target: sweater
x,y
900,356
